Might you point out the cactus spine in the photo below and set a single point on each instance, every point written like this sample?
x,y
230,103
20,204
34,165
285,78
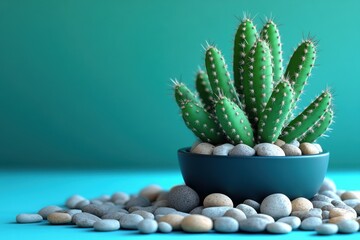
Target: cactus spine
x,y
320,127
183,94
204,89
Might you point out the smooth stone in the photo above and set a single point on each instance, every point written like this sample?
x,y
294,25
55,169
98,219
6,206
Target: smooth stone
x,y
85,220
327,229
106,225
268,149
173,219
164,211
252,203
28,218
196,224
340,191
147,226
194,145
296,143
157,217
308,148
301,204
318,146
278,228
242,150
226,225
137,202
150,192
223,149
253,225
163,195
120,198
82,204
73,200
217,200
164,227
348,226
293,221
276,205
349,195
214,212
236,214
144,214
72,212
130,221
204,148
321,204
310,223
315,212
322,198
114,215
350,202
101,210
246,209
357,209
103,198
150,209
291,150
160,203
263,216
45,211
337,212
328,185
327,207
331,195
325,214
181,213
183,198
95,201
336,220
58,218
197,210
279,142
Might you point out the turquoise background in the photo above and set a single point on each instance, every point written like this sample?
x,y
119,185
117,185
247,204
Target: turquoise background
x,y
86,83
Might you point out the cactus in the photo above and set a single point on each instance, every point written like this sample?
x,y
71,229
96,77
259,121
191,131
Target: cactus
x,y
256,111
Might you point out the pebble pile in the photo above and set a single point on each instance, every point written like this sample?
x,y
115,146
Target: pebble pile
x,y
279,148
329,212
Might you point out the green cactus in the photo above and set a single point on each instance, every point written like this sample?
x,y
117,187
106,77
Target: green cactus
x,y
183,94
204,89
319,128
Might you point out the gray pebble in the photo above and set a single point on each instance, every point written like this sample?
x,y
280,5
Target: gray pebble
x,y
214,212
350,202
278,228
328,185
331,195
327,207
45,211
357,209
164,211
96,201
144,214
223,149
183,198
85,220
113,215
348,226
107,225
161,203
203,148
246,209
320,204
322,198
315,212
164,227
157,217
130,221
163,195
242,150
293,221
291,150
226,225
181,213
73,200
253,225
137,202
71,212
120,198
147,226
236,214
103,198
150,209
295,143
268,149
338,203
276,205
82,204
327,229
28,218
197,210
252,203
325,214
101,210
263,216
309,224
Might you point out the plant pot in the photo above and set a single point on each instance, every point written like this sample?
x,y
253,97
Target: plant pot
x,y
253,177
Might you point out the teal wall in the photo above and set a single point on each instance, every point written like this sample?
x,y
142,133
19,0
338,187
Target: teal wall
x,y
86,83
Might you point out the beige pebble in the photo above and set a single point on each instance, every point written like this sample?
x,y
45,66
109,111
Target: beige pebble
x,y
301,204
336,220
217,200
196,224
173,219
204,148
338,212
279,142
151,192
59,218
291,150
349,195
308,149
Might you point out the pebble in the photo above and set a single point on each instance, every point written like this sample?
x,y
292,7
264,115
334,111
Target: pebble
x,y
325,215
28,218
82,204
279,143
144,214
85,220
315,212
164,227
276,205
217,200
163,195
164,211
321,204
236,214
337,212
252,203
58,218
73,200
350,202
327,229
101,210
318,146
331,195
278,228
137,202
268,149
291,150
308,149
203,148
336,220
322,198
301,204
296,143
357,209
151,192
120,198
130,221
226,225
147,226
113,215
183,198
263,216
223,149
173,219
246,209
328,185
214,212
310,223
197,210
160,203
45,211
196,224
150,209
327,207
348,226
71,212
349,195
107,225
242,150
253,225
197,142
293,221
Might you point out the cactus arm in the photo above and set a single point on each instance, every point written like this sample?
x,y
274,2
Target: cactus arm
x,y
234,122
202,123
204,89
275,113
305,120
319,128
245,38
183,94
258,80
270,34
219,76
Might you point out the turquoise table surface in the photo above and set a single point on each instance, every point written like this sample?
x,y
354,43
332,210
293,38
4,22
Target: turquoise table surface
x,y
28,191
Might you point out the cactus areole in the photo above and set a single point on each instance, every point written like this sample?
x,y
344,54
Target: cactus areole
x,y
257,105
